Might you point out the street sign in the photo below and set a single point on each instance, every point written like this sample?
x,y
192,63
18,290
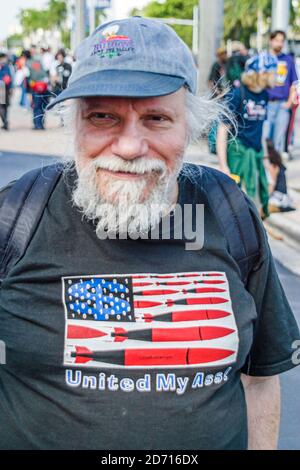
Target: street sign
x,y
102,4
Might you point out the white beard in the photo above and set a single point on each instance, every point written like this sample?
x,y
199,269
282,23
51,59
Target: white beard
x,y
120,207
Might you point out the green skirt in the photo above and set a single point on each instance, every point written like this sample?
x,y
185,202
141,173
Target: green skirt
x,y
249,165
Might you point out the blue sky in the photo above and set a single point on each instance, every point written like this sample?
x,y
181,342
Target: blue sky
x,y
10,9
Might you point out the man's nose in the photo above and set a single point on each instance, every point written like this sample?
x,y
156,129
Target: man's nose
x,y
130,143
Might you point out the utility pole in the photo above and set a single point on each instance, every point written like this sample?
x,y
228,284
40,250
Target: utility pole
x,y
92,18
259,33
280,15
80,11
210,36
195,47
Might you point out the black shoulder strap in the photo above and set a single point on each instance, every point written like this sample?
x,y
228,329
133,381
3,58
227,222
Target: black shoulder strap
x,y
243,97
229,204
21,212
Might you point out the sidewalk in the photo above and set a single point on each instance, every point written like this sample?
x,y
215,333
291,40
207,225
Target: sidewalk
x,y
53,141
21,137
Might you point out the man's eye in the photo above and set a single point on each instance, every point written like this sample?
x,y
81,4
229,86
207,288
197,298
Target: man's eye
x,y
101,118
157,119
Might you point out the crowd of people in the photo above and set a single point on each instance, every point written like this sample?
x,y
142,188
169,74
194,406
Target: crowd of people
x,y
38,74
263,100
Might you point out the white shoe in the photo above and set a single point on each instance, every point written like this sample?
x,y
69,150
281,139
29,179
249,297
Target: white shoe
x,y
285,157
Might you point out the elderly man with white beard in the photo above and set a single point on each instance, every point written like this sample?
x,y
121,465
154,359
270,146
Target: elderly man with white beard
x,y
116,339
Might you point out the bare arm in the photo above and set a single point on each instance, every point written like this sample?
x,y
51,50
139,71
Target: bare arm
x,y
291,99
222,141
263,408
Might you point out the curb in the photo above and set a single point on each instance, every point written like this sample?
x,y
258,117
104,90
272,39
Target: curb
x,y
286,223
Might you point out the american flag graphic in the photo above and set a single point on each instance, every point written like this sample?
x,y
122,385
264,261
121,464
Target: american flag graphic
x,y
149,321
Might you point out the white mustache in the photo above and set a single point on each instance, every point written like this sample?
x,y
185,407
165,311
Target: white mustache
x,y
140,165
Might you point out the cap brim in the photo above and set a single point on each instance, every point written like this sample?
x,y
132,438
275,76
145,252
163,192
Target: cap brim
x,y
127,83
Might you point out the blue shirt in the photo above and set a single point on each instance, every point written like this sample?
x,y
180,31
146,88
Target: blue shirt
x,y
5,71
286,75
250,110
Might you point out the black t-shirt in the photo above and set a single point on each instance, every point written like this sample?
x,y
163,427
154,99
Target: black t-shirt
x,y
63,73
82,373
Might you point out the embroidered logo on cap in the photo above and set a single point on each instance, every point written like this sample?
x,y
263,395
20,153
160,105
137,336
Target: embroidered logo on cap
x,y
113,44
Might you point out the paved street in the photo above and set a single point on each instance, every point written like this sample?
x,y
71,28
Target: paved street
x,y
14,164
290,381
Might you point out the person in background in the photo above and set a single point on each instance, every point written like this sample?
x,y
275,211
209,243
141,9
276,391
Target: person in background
x,y
243,156
217,83
38,84
60,72
217,80
235,65
290,134
281,96
34,51
279,200
47,59
21,77
5,87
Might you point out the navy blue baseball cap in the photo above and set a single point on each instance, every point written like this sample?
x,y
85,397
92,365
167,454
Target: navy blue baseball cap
x,y
136,57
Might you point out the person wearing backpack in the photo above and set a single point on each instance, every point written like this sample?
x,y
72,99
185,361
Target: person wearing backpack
x,y
140,305
38,85
243,155
5,87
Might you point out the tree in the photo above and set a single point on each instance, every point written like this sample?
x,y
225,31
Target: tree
x,y
31,19
240,16
172,9
14,40
52,17
295,16
57,12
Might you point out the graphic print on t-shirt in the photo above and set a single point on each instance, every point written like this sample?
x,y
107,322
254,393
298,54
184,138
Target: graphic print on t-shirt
x,y
255,111
149,321
282,73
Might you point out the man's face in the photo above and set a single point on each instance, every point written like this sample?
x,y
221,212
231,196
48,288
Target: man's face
x,y
129,151
129,130
277,43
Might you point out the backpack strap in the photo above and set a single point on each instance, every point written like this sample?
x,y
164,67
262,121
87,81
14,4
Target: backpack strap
x,y
243,97
229,204
21,212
